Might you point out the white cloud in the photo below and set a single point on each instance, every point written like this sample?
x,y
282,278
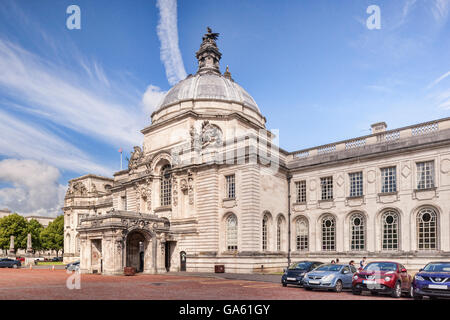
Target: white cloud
x,y
23,139
68,99
151,98
435,82
168,36
34,187
440,10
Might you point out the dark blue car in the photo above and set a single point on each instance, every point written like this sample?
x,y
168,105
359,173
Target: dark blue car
x,y
432,281
294,274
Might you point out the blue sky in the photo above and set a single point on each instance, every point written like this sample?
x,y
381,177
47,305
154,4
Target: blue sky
x,y
69,99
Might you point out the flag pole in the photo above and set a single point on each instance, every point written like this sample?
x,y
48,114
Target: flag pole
x,y
120,160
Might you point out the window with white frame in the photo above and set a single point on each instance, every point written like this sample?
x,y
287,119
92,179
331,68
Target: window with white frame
x,y
230,186
265,221
425,175
390,223
300,187
427,229
356,184
166,186
328,233
301,234
358,239
388,179
327,188
232,233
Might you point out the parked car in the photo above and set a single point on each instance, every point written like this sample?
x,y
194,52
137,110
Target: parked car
x,y
73,266
21,259
432,281
330,276
39,259
57,259
383,277
296,271
9,263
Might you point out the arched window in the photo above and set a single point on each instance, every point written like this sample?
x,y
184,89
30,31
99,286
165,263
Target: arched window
x,y
328,233
301,234
279,232
166,186
358,237
390,221
265,221
232,233
427,229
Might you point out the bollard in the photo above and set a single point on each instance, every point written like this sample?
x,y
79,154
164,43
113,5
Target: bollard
x,y
53,268
31,267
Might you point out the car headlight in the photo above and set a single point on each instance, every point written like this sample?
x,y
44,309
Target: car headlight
x,y
419,278
328,277
355,277
387,279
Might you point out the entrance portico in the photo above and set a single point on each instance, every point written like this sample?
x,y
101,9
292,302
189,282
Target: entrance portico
x,y
121,239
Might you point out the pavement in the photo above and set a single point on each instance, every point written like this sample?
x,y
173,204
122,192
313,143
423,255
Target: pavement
x,y
47,284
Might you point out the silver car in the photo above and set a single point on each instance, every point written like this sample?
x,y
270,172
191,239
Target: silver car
x,y
330,277
74,266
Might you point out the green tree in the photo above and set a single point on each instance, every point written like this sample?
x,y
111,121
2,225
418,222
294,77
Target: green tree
x,y
35,228
52,237
13,225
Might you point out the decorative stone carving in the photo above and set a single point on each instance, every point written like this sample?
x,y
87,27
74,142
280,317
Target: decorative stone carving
x,y
94,189
340,180
312,185
175,191
143,191
445,166
183,185
135,158
191,188
77,189
371,175
406,171
211,135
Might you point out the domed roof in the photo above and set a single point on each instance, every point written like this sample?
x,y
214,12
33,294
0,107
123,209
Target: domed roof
x,y
208,86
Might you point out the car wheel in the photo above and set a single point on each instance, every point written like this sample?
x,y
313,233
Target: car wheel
x,y
15,266
374,293
397,291
338,286
356,291
411,292
433,298
284,285
308,288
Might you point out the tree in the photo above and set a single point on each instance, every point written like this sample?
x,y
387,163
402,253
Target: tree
x,y
35,228
52,237
13,225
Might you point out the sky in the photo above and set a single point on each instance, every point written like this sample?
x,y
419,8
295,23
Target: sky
x,y
70,98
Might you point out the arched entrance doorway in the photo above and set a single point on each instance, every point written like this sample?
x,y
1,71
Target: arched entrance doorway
x,y
182,261
137,246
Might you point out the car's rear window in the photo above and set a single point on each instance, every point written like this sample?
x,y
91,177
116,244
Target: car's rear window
x,y
437,267
299,266
381,266
330,267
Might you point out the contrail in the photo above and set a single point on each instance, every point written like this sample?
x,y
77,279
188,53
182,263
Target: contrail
x,y
168,36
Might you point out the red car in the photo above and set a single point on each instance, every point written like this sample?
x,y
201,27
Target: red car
x,y
21,259
383,277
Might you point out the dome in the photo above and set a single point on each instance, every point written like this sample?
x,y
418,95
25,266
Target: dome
x,y
206,86
208,92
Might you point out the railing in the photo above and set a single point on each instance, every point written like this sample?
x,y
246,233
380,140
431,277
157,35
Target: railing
x,y
390,136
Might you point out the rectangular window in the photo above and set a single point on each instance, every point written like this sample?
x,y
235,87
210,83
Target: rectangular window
x,y
124,203
425,175
388,179
230,186
356,184
300,187
327,188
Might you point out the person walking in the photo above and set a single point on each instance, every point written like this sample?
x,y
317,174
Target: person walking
x,y
337,260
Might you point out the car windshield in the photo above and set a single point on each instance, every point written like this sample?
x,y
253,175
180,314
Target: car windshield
x,y
299,266
381,266
437,267
330,267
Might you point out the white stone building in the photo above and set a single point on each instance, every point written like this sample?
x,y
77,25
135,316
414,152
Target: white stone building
x,y
210,187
